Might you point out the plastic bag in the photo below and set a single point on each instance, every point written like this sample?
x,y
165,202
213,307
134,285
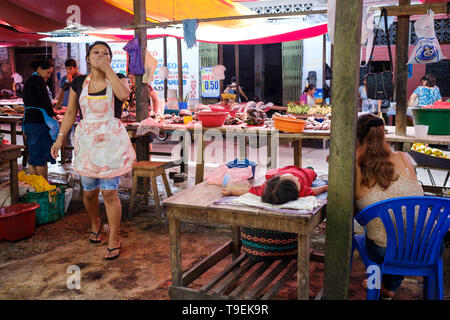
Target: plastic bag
x,y
37,182
150,67
235,175
427,49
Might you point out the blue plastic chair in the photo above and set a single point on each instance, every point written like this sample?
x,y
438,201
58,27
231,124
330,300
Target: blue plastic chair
x,y
412,249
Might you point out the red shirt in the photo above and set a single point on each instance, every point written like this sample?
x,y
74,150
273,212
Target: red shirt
x,y
305,177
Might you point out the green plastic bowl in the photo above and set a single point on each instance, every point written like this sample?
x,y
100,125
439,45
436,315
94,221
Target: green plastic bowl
x,y
437,120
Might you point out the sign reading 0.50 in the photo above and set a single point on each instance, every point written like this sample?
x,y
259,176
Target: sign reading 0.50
x,y
210,87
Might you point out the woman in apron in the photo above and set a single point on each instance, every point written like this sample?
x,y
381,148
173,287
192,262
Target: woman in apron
x,y
39,126
102,149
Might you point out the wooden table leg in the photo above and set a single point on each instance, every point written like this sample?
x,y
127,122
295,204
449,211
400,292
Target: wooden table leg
x,y
200,162
273,141
236,242
303,267
298,153
14,181
13,133
175,251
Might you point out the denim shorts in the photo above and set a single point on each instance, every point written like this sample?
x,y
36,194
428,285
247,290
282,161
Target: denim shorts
x,y
90,184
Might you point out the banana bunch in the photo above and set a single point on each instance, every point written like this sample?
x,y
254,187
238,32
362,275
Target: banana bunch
x,y
323,110
420,147
297,109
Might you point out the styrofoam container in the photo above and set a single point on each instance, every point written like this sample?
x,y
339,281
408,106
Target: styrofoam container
x,y
421,131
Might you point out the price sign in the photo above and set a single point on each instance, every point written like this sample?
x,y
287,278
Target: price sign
x,y
210,87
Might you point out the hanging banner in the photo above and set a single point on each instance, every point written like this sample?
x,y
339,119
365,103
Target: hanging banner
x,y
210,87
190,65
119,57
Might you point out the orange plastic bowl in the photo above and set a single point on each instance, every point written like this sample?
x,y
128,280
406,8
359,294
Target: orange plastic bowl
x,y
289,125
212,119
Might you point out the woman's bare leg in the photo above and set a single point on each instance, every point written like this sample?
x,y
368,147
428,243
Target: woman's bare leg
x,y
42,171
114,213
90,199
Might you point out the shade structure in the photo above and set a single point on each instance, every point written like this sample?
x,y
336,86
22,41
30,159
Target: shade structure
x,y
9,36
259,33
50,15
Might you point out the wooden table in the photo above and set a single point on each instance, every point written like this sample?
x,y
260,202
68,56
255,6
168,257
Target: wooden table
x,y
196,205
270,136
411,137
14,121
11,153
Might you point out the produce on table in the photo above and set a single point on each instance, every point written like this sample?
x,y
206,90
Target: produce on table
x,y
255,117
297,109
313,124
305,109
434,152
233,121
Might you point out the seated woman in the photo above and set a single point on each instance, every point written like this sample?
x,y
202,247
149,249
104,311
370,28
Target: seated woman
x,y
380,174
281,186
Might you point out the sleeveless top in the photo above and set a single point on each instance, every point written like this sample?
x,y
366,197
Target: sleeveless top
x,y
403,187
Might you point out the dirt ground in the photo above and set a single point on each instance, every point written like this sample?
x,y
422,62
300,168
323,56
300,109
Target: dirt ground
x,y
36,268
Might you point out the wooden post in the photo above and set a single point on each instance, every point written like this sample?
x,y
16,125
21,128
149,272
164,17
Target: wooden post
x,y
401,72
342,150
142,90
324,61
180,71
221,63
236,61
165,65
331,66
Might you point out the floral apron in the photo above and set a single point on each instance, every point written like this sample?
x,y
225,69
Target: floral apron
x,y
102,146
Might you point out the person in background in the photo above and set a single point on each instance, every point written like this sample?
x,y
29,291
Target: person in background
x,y
380,174
63,100
153,99
231,89
426,94
368,105
71,73
38,123
154,102
17,84
307,98
103,151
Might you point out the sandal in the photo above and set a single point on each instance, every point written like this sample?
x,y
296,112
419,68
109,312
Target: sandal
x,y
97,235
111,250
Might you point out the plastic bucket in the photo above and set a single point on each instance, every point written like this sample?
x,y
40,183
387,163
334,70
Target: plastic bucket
x,y
17,221
421,131
436,119
242,164
182,105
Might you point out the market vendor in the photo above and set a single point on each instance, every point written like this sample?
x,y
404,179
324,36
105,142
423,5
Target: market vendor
x,y
63,100
308,98
153,103
39,125
231,88
103,150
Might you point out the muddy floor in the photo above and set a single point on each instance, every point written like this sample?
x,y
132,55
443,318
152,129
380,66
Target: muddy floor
x,y
37,267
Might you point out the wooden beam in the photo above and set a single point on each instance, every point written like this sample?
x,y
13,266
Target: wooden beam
x,y
342,149
401,72
166,88
250,16
142,90
236,68
324,61
221,63
405,9
180,71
